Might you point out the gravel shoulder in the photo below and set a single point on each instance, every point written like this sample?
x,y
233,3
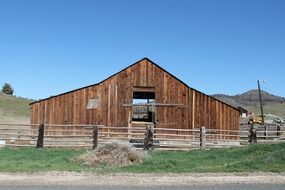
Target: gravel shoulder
x,y
72,178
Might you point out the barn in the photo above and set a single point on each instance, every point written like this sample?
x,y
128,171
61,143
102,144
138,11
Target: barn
x,y
141,93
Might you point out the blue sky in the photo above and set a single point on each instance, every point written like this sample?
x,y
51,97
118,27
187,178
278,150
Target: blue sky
x,y
217,46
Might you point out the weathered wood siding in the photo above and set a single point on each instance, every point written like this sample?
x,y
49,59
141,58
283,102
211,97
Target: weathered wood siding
x,y
198,109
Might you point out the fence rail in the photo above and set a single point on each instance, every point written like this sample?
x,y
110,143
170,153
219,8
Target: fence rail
x,y
89,136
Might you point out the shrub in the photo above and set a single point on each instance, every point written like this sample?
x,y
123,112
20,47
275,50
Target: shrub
x,y
7,89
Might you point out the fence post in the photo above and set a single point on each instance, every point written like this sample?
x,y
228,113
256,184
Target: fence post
x,y
252,135
148,141
40,141
265,131
202,138
278,130
95,137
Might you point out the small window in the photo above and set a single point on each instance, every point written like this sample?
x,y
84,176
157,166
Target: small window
x,y
93,103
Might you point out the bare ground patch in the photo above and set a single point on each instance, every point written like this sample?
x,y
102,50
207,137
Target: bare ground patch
x,y
14,120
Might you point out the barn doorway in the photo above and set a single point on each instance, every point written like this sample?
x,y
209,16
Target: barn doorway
x,y
143,109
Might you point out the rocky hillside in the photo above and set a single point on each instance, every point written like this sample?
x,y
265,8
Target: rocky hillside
x,y
250,98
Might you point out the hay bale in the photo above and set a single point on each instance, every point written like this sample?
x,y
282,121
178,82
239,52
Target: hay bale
x,y
115,153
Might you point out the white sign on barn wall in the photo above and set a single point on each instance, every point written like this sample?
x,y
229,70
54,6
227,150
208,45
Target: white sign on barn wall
x,y
93,103
2,143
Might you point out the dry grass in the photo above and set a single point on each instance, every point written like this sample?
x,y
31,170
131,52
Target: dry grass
x,y
115,153
14,109
276,109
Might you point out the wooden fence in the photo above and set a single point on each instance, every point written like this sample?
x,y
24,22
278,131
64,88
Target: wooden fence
x,y
89,136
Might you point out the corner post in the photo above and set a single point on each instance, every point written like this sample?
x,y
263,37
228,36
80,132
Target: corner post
x,y
40,141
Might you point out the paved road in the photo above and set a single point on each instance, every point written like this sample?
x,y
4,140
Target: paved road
x,y
212,187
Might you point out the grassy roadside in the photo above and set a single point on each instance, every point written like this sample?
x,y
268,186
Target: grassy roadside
x,y
264,158
32,160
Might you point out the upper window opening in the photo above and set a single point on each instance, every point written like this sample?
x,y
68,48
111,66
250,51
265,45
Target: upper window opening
x,y
143,106
144,95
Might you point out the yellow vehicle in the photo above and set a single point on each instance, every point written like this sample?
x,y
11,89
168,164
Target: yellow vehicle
x,y
256,119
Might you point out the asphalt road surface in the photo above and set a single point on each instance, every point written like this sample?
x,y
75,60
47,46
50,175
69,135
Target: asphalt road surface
x,y
194,187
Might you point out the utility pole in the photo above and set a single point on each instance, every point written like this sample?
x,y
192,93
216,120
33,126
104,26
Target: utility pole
x,y
261,109
260,100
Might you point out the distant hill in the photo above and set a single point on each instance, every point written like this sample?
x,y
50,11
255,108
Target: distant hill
x,y
250,98
14,109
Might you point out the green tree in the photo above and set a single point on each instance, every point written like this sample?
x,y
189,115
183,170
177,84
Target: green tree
x,y
7,89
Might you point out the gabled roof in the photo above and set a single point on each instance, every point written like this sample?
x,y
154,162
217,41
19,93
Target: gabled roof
x,y
143,59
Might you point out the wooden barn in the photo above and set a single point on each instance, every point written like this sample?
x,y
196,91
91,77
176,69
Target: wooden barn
x,y
143,92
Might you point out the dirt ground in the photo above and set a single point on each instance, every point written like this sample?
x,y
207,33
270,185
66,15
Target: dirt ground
x,y
14,120
72,178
